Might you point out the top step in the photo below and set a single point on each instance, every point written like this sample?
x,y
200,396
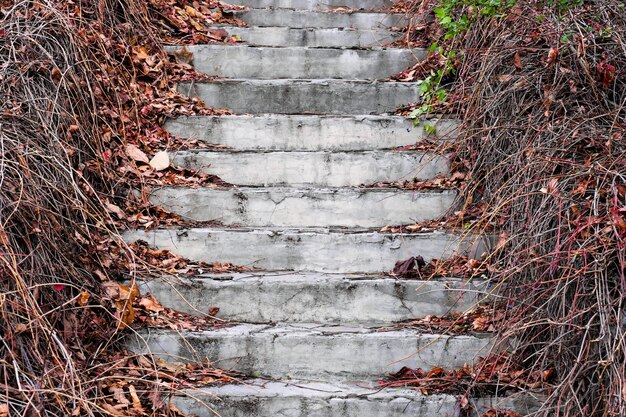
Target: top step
x,y
314,4
312,19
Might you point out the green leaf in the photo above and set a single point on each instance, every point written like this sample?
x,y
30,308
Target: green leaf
x,y
430,130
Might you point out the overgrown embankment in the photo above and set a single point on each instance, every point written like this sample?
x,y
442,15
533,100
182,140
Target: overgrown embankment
x,y
541,89
84,86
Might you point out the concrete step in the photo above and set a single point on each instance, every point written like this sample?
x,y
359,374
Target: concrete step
x,y
320,169
318,250
242,61
322,20
312,350
312,37
308,297
293,207
294,398
304,96
308,133
313,4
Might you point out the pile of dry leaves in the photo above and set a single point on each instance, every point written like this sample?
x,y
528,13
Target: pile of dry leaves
x,y
494,375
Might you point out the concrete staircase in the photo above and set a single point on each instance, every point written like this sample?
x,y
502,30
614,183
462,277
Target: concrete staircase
x,y
312,124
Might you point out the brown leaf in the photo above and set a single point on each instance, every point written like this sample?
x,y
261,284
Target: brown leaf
x,y
136,402
151,304
83,298
183,55
136,154
112,410
517,61
552,55
112,208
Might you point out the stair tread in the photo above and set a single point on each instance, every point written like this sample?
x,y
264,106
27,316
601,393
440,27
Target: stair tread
x,y
313,37
262,398
308,249
264,297
260,62
277,132
316,19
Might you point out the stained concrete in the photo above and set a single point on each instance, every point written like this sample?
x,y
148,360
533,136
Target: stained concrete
x,y
309,297
315,19
319,169
313,37
262,398
242,61
320,250
313,351
307,207
313,4
304,96
309,133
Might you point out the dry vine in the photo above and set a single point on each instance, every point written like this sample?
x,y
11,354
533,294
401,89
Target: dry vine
x,y
545,134
79,81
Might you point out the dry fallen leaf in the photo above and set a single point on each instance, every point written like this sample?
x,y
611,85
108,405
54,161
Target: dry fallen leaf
x,y
160,161
4,410
552,55
136,154
183,55
517,61
135,399
83,298
112,208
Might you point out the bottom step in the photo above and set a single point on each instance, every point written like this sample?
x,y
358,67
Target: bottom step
x,y
260,398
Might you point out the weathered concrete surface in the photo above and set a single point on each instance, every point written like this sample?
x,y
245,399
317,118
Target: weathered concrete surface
x,y
308,133
262,398
304,96
313,37
313,4
307,250
312,350
322,169
242,61
314,19
308,297
293,207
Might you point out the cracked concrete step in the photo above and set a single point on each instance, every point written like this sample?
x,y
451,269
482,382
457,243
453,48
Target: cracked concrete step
x,y
313,4
322,20
321,169
294,398
304,96
308,297
293,207
242,61
315,38
308,133
318,249
312,350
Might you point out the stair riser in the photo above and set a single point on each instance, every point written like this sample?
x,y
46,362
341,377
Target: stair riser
x,y
302,97
306,251
259,398
317,298
285,207
316,38
307,133
322,20
320,169
305,63
307,405
307,354
313,4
